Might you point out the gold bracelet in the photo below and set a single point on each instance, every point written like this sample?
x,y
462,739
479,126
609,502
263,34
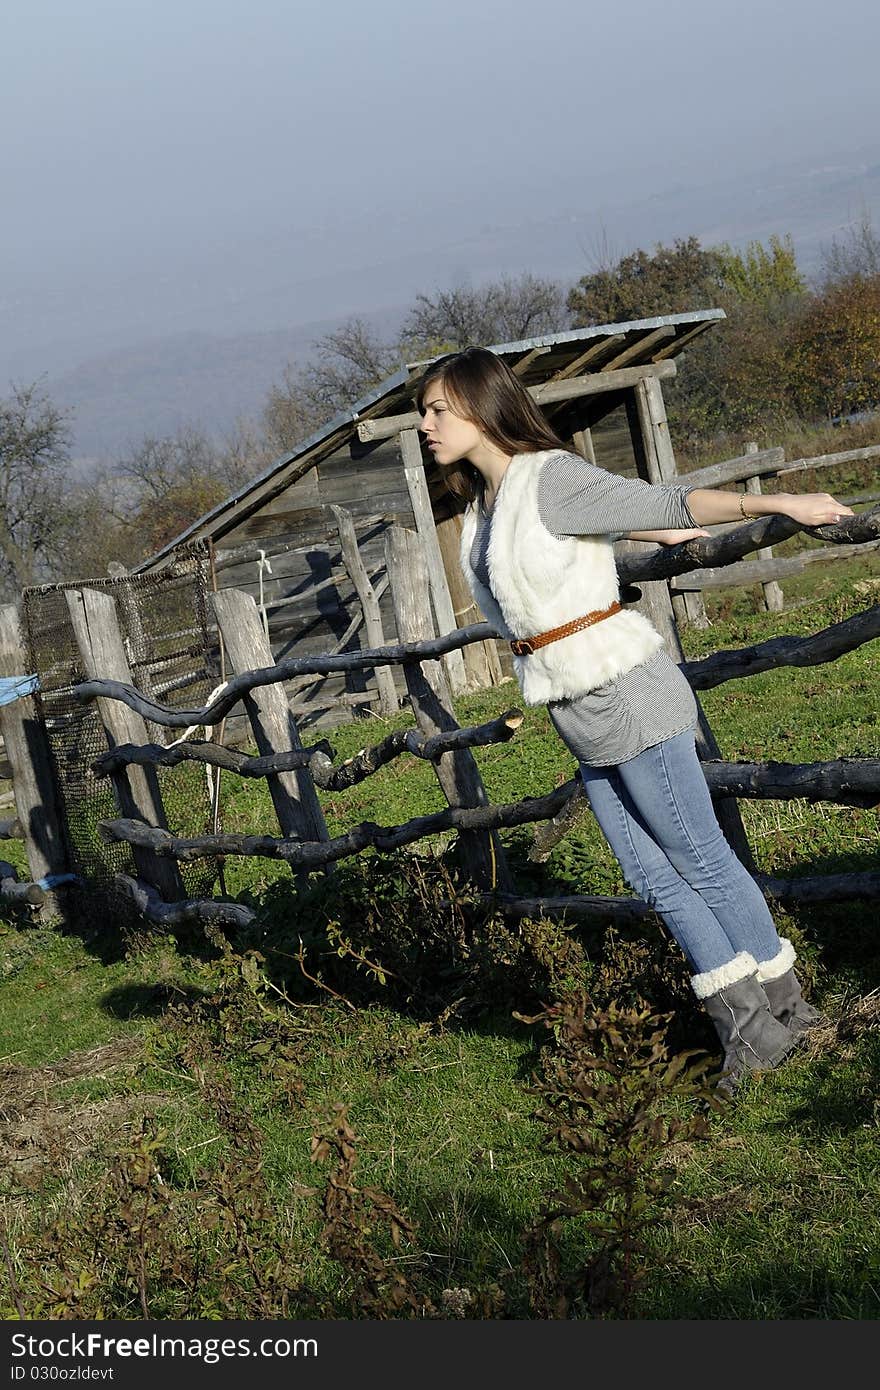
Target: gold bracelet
x,y
747,516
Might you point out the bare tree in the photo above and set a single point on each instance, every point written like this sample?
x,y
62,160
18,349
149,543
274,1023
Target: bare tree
x,y
289,415
34,459
855,257
350,362
504,311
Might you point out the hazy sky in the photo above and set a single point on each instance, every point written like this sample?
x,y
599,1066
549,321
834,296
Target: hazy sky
x,y
165,143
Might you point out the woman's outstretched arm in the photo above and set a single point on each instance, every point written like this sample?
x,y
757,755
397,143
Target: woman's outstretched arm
x,y
709,505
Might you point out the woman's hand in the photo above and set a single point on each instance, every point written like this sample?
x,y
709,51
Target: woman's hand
x,y
812,508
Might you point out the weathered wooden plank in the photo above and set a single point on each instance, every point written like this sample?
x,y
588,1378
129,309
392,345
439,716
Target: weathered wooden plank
x,y
481,661
414,472
34,793
548,393
226,556
374,634
639,348
431,701
583,443
773,599
872,451
313,525
682,340
293,793
96,628
650,436
662,468
596,352
765,463
762,571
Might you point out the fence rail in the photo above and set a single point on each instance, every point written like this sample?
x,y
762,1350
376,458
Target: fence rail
x,y
293,772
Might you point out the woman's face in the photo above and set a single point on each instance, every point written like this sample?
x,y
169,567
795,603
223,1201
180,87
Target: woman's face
x,y
450,438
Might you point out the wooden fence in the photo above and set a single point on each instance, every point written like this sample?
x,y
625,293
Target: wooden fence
x,y
750,469
293,772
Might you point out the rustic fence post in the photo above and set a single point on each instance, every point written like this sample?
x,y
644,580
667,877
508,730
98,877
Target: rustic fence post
x,y
481,660
774,600
457,772
657,602
33,777
98,636
438,587
357,573
659,459
274,727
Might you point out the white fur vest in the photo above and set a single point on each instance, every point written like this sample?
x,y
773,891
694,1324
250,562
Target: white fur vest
x,y
540,581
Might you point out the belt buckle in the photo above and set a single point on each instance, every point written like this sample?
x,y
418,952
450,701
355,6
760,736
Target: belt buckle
x,y
522,647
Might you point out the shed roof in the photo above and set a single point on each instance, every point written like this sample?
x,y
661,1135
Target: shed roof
x,y
604,347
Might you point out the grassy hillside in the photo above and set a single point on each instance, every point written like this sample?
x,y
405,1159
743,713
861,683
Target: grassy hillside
x,y
361,1108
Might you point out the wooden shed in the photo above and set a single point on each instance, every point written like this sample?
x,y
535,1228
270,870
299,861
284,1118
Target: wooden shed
x,y
287,536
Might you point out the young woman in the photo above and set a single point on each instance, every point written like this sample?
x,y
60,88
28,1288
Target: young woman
x,y
537,552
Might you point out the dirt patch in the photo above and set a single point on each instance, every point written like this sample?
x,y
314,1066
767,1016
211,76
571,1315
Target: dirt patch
x,y
42,1130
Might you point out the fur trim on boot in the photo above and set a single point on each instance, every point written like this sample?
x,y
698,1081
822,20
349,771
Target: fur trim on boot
x,y
783,991
752,1039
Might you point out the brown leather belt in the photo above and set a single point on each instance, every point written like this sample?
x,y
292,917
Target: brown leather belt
x,y
524,646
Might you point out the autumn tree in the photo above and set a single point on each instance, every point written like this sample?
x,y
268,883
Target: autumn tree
x,y
833,353
669,280
734,377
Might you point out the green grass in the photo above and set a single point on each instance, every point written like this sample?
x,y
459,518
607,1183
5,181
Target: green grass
x,y
775,1215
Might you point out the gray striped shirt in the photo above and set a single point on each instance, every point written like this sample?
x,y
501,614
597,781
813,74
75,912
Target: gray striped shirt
x,y
653,701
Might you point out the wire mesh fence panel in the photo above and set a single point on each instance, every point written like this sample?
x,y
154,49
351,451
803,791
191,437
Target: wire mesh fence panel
x,y
165,624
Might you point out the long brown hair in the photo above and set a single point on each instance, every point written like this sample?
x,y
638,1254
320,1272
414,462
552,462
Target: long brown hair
x,y
483,390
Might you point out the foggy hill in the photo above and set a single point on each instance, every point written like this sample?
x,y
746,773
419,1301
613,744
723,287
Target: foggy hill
x,y
211,372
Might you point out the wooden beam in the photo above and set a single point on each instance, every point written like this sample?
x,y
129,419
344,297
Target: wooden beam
x,y
549,392
102,650
37,808
527,359
604,348
431,701
293,793
423,512
678,343
655,456
597,383
662,468
773,598
644,345
369,600
766,571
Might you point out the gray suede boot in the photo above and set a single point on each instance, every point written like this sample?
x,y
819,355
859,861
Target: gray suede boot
x,y
783,991
752,1039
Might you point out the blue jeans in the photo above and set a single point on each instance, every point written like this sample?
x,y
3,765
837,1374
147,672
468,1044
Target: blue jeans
x,y
656,813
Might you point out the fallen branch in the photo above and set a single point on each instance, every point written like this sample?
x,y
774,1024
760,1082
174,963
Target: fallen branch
x,y
366,835
847,781
11,891
317,757
788,892
239,686
724,549
814,650
154,908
